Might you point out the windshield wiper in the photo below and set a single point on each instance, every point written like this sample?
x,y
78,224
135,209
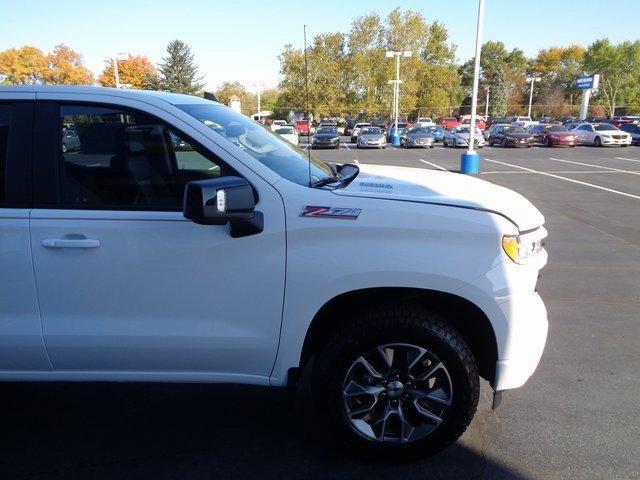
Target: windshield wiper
x,y
343,175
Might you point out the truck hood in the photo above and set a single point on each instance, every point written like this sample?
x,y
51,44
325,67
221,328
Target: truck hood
x,y
442,188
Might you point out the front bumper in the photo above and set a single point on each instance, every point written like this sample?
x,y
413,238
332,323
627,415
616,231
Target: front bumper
x,y
615,141
526,339
418,144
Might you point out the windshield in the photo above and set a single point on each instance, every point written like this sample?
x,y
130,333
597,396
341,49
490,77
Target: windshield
x,y
604,127
465,129
557,128
437,128
417,130
275,153
514,129
285,131
327,130
371,131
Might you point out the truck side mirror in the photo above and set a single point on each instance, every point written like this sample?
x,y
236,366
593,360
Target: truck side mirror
x,y
223,200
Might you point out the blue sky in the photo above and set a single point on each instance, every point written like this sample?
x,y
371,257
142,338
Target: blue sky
x,y
241,39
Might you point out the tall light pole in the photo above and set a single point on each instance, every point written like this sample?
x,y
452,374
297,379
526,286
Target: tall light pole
x,y
395,140
470,161
531,80
259,87
486,107
116,74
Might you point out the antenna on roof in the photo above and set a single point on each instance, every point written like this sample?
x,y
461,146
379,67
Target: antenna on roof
x,y
306,88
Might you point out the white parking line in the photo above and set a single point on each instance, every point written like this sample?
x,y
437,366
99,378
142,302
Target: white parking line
x,y
571,180
593,165
355,160
346,146
568,172
433,165
628,159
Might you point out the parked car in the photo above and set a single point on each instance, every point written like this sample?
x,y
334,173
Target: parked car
x,y
459,137
69,140
449,122
288,132
511,136
416,137
246,261
391,129
632,129
566,120
356,130
481,122
624,119
524,122
601,134
303,127
551,135
424,122
349,124
572,125
326,137
371,137
597,119
547,120
437,131
379,121
497,120
277,124
487,132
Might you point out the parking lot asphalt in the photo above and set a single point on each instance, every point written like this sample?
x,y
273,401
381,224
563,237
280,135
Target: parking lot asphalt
x,y
578,417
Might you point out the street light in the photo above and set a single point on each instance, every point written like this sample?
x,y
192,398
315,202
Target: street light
x,y
470,161
532,80
395,140
116,74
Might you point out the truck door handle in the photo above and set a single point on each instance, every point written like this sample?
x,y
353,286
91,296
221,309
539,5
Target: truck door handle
x,y
70,242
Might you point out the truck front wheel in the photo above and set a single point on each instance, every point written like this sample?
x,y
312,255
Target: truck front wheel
x,y
397,381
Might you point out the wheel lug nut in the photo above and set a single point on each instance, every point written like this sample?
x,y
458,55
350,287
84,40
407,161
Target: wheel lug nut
x,y
394,403
396,376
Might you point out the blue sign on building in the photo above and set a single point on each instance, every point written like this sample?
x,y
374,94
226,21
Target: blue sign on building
x,y
584,82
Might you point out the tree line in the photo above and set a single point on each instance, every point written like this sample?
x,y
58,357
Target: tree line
x,y
348,73
27,65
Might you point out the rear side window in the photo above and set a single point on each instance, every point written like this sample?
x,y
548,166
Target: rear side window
x,y
6,114
121,159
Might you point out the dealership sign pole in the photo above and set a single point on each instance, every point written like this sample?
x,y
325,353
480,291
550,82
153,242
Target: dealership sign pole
x,y
588,84
470,161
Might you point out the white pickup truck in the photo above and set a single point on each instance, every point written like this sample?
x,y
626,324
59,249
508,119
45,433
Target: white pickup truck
x,y
178,241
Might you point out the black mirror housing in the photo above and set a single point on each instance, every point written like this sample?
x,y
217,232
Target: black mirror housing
x,y
220,201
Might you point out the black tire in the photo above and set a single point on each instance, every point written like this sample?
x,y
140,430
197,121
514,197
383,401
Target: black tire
x,y
547,142
597,142
504,143
406,324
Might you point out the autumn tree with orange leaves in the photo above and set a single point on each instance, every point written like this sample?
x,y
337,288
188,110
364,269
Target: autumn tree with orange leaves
x,y
30,66
137,70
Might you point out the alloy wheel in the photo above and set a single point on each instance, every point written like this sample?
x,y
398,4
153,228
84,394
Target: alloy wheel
x,y
396,393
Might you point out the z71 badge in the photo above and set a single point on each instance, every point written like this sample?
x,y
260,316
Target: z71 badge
x,y
331,212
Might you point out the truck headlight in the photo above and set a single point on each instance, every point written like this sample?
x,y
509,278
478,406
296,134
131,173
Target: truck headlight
x,y
519,249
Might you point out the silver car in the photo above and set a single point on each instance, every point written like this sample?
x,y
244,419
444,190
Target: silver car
x,y
417,137
371,137
459,137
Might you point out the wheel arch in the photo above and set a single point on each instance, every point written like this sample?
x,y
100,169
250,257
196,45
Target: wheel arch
x,y
469,320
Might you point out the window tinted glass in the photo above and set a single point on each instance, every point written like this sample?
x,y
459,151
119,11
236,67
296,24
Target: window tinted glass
x,y
5,126
273,151
604,127
119,159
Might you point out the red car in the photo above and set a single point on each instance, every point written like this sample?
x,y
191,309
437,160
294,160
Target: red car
x,y
553,135
624,119
480,123
303,127
449,122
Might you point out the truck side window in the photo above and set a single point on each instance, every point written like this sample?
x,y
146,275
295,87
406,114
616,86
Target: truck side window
x,y
113,158
5,126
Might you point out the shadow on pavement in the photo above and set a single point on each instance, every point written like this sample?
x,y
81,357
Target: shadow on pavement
x,y
165,431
